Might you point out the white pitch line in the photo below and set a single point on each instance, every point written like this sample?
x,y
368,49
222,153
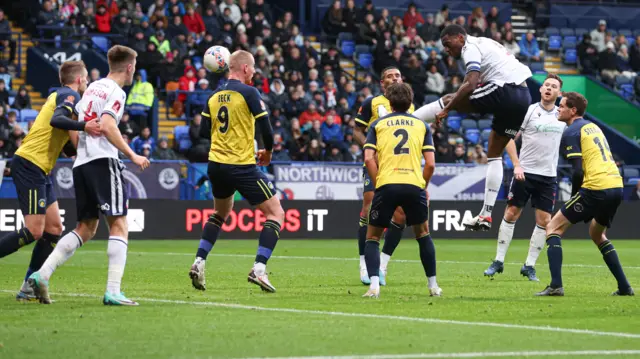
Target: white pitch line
x,y
340,259
470,355
369,316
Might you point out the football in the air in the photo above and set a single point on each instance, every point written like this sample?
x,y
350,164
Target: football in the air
x,y
216,59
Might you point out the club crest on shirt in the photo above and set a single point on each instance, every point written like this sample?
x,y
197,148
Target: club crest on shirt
x,y
70,99
116,106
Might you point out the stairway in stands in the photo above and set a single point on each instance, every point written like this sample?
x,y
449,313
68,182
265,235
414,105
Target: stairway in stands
x,y
167,123
36,97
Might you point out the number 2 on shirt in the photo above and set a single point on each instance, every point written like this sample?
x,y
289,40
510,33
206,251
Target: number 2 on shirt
x,y
400,149
88,114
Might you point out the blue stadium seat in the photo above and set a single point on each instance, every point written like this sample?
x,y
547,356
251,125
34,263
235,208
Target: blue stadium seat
x,y
197,62
552,31
485,146
625,32
344,36
365,60
581,31
537,66
100,42
12,99
434,98
569,42
473,136
485,124
626,90
621,80
454,123
470,124
181,135
567,31
507,162
485,134
570,56
348,47
28,115
362,49
630,41
555,43
630,173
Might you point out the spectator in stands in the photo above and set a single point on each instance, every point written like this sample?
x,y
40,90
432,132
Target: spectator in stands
x,y
169,8
507,27
443,153
493,16
313,151
598,36
144,138
454,84
429,32
309,115
354,154
333,22
47,16
187,82
492,31
4,96
259,6
129,128
88,19
332,134
367,32
6,126
69,9
235,14
460,155
529,47
331,60
159,20
140,99
150,59
103,20
479,156
367,8
474,29
146,150
333,154
608,64
194,23
5,148
279,152
163,152
435,81
162,44
158,4
5,37
350,16
179,47
435,60
138,42
442,16
587,56
412,17
22,100
623,65
478,15
121,27
620,41
511,44
199,98
200,146
634,55
176,28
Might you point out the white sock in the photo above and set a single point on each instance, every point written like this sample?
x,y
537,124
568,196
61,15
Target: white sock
x,y
375,283
538,237
428,112
65,248
117,252
259,268
431,282
505,235
363,264
384,260
492,185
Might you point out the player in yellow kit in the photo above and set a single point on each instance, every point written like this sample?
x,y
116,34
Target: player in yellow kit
x,y
32,165
400,141
372,109
597,193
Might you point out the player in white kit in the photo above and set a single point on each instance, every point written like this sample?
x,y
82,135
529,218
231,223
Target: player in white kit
x,y
98,180
495,83
534,176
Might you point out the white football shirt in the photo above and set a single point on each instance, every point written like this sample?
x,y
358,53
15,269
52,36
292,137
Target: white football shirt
x,y
495,63
101,97
541,136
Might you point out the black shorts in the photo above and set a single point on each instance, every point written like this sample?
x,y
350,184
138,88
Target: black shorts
x,y
34,187
387,198
100,188
252,183
508,104
587,204
368,183
540,189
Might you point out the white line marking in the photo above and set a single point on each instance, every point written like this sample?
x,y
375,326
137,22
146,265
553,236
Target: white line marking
x,y
338,258
470,355
366,315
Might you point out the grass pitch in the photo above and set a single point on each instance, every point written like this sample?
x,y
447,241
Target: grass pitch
x,y
318,309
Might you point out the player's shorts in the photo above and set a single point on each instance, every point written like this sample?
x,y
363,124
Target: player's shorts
x,y
540,189
587,204
252,183
34,187
366,180
387,198
100,188
508,104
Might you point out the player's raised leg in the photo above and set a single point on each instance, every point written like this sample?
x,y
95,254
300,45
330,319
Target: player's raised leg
x,y
392,238
269,235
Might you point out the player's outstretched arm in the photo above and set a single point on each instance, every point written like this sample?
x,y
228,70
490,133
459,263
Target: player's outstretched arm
x,y
112,133
469,84
61,121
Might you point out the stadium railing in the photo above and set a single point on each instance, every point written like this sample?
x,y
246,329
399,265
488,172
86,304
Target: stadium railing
x,y
59,34
17,37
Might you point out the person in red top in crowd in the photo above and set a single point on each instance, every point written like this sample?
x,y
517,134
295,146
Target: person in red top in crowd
x,y
193,21
187,82
336,118
412,17
309,115
103,19
111,5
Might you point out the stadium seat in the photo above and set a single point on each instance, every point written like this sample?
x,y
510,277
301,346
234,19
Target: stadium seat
x,y
344,36
580,32
485,134
470,124
362,49
536,66
434,98
569,42
485,124
28,115
473,136
485,146
622,80
626,90
348,48
570,56
631,40
101,43
552,31
507,162
567,31
630,173
454,123
181,135
197,62
625,32
555,43
365,60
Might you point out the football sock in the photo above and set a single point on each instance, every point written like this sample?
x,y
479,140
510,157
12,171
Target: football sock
x,y
505,235
13,241
554,253
117,252
429,111
267,241
391,240
65,248
492,186
209,235
535,245
613,262
427,255
362,235
41,251
372,257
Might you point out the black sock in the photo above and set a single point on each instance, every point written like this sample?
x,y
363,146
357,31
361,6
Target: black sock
x,y
209,235
14,241
554,253
427,255
362,234
372,257
392,238
41,251
267,241
611,258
